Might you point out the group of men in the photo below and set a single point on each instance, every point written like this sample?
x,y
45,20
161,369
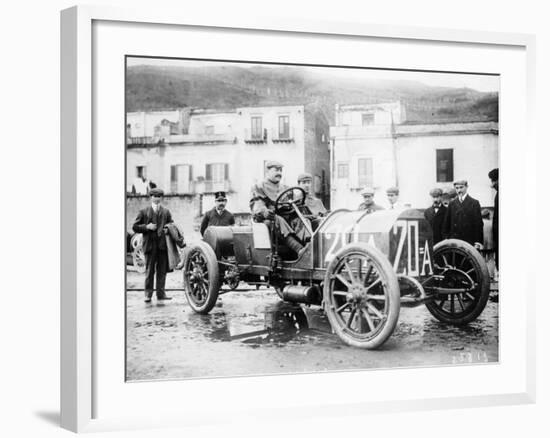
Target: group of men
x,y
453,214
460,216
370,206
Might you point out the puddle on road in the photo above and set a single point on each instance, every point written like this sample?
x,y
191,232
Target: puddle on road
x,y
277,325
251,321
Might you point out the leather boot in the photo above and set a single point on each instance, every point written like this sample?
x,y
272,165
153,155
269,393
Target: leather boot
x,y
294,244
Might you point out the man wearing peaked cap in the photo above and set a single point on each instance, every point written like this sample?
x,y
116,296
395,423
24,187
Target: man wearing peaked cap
x,y
150,222
262,204
368,203
273,163
463,219
315,205
218,216
435,214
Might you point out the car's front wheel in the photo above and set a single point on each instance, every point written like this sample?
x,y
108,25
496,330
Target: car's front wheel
x,y
201,277
361,296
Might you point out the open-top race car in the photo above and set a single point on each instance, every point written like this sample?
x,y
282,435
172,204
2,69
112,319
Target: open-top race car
x,y
360,267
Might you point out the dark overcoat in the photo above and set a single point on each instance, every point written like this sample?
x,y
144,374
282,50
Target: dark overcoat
x,y
436,220
213,218
463,220
152,239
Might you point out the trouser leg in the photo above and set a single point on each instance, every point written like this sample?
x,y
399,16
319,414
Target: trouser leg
x,y
150,262
162,269
282,225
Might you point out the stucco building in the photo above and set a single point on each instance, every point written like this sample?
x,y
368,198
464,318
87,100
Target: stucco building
x,y
373,145
199,152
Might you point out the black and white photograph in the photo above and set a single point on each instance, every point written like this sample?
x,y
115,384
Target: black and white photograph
x,y
285,218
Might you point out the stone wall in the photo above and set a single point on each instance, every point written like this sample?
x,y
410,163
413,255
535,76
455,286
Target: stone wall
x,y
185,209
187,212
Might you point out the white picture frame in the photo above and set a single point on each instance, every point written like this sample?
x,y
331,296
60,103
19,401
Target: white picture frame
x,y
79,215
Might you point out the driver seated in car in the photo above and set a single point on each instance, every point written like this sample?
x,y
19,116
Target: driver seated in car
x,y
262,204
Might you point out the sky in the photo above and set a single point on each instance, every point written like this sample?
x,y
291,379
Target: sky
x,y
477,82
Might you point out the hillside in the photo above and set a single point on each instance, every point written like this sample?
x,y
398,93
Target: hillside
x,y
226,87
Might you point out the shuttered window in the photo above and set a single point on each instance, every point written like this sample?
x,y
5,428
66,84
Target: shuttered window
x,y
365,172
256,128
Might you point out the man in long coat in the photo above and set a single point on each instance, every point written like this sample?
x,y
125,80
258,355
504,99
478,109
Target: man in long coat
x,y
435,214
262,203
150,222
463,219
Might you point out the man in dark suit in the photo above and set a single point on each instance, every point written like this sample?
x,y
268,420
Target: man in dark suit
x,y
218,216
435,214
463,219
150,222
493,176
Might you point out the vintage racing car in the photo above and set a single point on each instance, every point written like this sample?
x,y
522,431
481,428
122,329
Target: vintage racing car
x,y
362,268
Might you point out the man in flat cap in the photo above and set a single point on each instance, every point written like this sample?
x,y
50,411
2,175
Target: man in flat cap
x,y
449,193
262,204
463,219
493,176
150,221
393,199
218,216
368,203
314,204
435,214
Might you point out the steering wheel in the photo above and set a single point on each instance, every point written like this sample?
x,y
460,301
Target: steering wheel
x,y
284,202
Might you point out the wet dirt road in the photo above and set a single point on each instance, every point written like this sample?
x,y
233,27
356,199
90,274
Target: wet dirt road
x,y
251,332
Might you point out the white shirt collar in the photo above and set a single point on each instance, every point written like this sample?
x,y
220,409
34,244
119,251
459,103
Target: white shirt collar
x,y
155,207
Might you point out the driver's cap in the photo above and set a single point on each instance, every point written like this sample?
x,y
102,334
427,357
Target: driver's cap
x,y
273,163
305,177
367,191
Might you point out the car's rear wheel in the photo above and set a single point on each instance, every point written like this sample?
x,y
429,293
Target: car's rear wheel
x,y
201,277
465,276
361,296
138,256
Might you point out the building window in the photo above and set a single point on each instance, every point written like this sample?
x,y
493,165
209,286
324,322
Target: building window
x,y
217,177
367,119
444,165
209,129
284,127
141,171
343,170
365,175
181,177
256,128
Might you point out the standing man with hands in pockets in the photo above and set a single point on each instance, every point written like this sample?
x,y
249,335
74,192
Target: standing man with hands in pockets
x,y
150,222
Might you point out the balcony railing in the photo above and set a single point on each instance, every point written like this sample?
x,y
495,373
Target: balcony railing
x,y
255,137
144,141
203,138
279,137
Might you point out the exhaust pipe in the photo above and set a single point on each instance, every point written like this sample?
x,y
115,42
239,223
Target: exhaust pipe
x,y
302,294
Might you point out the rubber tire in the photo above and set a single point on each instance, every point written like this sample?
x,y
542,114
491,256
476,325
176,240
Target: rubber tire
x,y
482,273
386,271
213,274
138,256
